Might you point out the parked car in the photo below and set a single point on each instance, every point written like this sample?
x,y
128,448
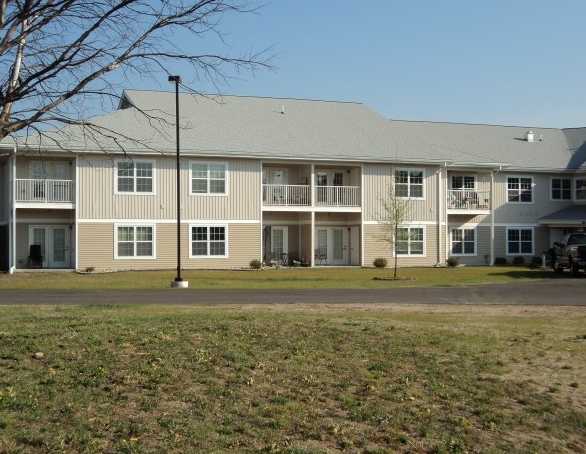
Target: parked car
x,y
569,253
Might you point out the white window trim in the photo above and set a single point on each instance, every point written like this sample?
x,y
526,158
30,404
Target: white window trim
x,y
532,189
411,169
409,254
134,161
572,195
575,188
209,194
208,225
464,254
528,254
142,257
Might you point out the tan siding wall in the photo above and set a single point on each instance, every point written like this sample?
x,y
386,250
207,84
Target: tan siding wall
x,y
96,246
377,178
97,198
374,248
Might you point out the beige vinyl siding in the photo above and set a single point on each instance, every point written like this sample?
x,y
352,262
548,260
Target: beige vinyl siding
x,y
540,241
374,248
376,181
96,248
98,200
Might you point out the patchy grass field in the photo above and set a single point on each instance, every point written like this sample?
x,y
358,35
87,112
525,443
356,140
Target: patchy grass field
x,y
298,380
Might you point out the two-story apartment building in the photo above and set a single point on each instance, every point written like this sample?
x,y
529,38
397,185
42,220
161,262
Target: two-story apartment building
x,y
282,180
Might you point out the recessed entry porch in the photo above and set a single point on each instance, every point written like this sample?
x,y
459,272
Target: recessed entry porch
x,y
311,239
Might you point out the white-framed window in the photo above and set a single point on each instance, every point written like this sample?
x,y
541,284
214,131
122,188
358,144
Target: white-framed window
x,y
520,241
580,188
410,241
208,241
463,182
208,178
409,183
463,242
519,189
134,241
561,188
135,177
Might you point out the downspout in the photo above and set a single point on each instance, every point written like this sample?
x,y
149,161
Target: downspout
x,y
492,239
12,223
439,216
312,226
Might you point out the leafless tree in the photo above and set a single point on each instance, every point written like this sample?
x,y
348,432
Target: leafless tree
x,y
58,56
396,213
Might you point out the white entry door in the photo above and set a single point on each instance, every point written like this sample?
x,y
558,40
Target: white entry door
x,y
332,245
54,242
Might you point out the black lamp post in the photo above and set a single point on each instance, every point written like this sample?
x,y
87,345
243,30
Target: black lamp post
x,y
179,282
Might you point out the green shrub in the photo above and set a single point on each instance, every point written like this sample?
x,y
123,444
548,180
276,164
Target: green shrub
x,y
453,262
518,261
536,262
500,261
380,262
256,264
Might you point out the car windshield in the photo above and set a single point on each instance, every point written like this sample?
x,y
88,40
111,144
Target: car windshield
x,y
577,239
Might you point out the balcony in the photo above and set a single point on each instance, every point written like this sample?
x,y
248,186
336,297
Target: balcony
x,y
44,191
468,201
283,195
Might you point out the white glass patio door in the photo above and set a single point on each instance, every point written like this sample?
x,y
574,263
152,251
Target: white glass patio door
x,y
55,245
332,242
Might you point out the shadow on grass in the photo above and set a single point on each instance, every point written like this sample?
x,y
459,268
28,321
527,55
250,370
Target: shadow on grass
x,y
531,274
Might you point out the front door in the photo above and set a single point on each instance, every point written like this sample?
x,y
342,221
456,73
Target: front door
x,y
55,245
332,246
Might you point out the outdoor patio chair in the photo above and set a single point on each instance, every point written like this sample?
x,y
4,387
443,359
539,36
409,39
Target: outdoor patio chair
x,y
35,259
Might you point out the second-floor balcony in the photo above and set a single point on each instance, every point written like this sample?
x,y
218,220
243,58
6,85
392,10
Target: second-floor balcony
x,y
303,195
468,200
44,191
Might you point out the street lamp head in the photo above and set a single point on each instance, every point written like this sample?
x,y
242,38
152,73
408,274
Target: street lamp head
x,y
175,79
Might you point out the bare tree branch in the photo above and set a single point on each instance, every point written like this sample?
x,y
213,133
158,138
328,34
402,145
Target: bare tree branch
x,y
55,55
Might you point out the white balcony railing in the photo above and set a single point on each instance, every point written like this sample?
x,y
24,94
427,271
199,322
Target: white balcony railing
x,y
468,199
337,196
47,191
300,195
286,194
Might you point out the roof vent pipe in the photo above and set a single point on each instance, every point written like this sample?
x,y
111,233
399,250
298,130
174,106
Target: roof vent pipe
x,y
529,136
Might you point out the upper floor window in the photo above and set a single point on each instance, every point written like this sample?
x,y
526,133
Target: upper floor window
x,y
561,189
209,241
134,241
409,241
520,189
135,177
208,177
463,182
581,189
409,183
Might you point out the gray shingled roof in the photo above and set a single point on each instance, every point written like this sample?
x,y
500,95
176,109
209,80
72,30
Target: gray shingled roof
x,y
309,129
571,215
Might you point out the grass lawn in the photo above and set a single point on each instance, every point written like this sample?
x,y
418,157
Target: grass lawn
x,y
297,380
344,277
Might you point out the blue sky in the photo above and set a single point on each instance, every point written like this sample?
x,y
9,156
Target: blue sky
x,y
509,62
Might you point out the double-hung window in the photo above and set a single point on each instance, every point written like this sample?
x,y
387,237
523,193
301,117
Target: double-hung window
x,y
561,189
409,183
409,241
134,241
208,178
520,189
463,242
209,241
581,189
520,241
135,177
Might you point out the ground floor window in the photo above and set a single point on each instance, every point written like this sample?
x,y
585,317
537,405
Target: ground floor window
x,y
209,241
134,241
519,241
410,241
463,242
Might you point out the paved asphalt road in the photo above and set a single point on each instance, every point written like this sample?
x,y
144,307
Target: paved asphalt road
x,y
560,292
